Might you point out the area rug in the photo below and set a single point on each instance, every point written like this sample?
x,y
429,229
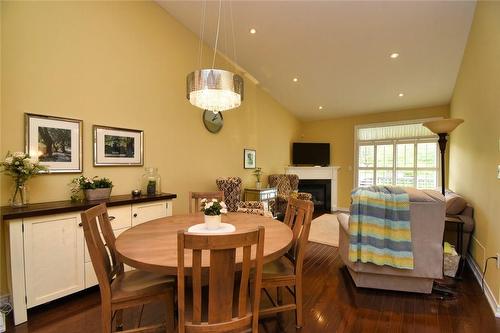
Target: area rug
x,y
325,230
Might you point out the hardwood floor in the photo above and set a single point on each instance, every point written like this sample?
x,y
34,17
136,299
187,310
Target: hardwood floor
x,y
331,304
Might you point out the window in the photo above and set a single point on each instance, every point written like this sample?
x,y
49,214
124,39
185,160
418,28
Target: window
x,y
397,154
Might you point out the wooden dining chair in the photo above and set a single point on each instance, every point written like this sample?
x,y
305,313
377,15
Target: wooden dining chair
x,y
119,289
197,196
222,315
286,272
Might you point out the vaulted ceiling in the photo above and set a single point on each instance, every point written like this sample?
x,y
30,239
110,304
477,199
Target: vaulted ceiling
x,y
340,51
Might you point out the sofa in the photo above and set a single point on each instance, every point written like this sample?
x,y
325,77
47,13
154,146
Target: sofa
x,y
427,215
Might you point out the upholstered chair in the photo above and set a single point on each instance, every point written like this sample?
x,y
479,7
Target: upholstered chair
x,y
231,186
287,185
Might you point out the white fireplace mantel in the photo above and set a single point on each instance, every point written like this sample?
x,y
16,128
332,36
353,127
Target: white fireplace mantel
x,y
318,173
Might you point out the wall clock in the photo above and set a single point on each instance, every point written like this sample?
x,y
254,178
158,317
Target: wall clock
x,y
213,121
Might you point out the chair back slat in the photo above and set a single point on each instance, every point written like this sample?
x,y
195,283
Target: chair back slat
x,y
298,217
221,284
197,196
245,275
222,280
94,221
196,271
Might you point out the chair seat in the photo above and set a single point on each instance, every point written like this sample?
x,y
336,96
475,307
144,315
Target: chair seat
x,y
278,272
137,284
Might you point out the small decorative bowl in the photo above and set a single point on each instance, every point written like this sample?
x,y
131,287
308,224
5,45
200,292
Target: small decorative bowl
x,y
136,193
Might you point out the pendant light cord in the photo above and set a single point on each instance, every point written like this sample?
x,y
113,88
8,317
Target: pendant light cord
x,y
217,35
235,60
202,31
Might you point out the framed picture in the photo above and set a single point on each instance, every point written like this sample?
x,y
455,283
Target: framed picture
x,y
249,156
55,141
118,146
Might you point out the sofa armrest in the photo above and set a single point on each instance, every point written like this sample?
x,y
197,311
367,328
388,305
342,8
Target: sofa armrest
x,y
343,221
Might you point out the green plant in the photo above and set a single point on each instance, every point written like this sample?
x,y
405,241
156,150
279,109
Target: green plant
x,y
84,183
257,173
213,207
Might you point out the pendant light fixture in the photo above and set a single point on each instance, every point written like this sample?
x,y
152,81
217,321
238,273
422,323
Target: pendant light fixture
x,y
214,89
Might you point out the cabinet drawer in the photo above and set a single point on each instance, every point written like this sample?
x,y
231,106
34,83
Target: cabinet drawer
x,y
148,211
87,255
120,217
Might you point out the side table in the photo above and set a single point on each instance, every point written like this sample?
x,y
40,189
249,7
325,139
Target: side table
x,y
459,224
265,195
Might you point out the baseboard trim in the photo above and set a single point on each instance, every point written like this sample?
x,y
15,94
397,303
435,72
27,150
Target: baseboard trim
x,y
341,210
487,291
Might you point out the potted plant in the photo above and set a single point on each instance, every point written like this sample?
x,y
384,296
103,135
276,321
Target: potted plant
x,y
93,188
257,173
213,210
21,167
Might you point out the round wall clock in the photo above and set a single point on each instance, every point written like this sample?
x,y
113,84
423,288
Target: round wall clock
x,y
213,121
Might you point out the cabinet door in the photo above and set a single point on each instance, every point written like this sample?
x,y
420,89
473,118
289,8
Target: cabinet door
x,y
148,211
53,257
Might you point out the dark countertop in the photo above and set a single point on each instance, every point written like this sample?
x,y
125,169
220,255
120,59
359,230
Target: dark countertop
x,y
57,207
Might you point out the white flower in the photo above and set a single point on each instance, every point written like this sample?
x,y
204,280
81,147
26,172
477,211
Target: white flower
x,y
214,200
9,160
203,200
223,204
208,205
16,162
19,154
223,211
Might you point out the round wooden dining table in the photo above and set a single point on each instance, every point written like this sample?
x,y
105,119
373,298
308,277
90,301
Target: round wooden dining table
x,y
152,246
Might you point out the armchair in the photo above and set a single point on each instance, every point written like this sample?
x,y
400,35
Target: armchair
x,y
287,185
231,186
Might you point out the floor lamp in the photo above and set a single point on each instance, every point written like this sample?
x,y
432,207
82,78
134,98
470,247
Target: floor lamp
x,y
443,127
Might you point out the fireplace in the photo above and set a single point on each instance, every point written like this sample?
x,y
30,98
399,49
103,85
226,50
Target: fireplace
x,y
320,190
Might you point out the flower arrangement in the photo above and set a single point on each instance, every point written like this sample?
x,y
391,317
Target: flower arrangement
x,y
85,183
213,207
21,167
257,173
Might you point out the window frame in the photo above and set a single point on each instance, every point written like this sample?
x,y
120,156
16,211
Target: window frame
x,y
414,140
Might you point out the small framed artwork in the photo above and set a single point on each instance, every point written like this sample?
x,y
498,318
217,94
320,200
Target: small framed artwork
x,y
118,146
249,156
55,141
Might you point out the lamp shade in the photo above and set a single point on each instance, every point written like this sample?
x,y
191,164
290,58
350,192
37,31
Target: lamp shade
x,y
443,125
214,89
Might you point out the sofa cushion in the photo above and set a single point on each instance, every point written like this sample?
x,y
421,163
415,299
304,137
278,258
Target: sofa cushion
x,y
455,203
423,195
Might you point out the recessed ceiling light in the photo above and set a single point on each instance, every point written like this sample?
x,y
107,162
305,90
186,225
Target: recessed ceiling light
x,y
401,94
253,31
295,79
320,107
394,55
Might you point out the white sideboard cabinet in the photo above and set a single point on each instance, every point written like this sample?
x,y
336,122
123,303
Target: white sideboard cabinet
x,y
47,257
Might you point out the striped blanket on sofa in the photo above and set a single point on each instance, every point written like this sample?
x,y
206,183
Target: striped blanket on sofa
x,y
379,227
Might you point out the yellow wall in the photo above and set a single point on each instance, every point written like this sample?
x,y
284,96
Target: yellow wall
x,y
475,151
339,132
124,64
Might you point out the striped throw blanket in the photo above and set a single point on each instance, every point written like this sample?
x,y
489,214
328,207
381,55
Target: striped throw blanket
x,y
379,227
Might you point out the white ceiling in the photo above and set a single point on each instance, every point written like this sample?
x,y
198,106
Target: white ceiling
x,y
340,50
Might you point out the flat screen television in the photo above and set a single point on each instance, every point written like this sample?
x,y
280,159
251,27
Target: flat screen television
x,y
311,154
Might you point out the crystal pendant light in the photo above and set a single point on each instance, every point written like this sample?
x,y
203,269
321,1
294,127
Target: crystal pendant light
x,y
214,89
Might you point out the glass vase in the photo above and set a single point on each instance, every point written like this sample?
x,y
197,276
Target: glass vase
x,y
151,182
19,196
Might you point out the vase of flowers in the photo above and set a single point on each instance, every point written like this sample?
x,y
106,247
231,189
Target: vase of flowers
x,y
93,188
21,167
212,211
257,173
